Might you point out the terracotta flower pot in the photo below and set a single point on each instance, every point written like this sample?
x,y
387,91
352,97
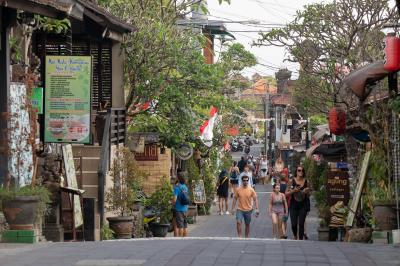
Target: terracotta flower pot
x,y
122,226
21,212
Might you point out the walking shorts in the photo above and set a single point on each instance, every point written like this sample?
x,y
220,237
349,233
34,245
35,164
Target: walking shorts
x,y
181,220
244,215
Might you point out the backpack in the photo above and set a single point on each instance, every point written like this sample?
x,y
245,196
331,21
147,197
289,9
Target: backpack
x,y
234,175
183,197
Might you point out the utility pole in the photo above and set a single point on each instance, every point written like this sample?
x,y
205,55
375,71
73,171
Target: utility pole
x,y
266,123
308,134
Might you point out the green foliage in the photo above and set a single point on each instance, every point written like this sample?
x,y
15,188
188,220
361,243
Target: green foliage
x,y
316,120
317,174
42,193
395,104
50,25
164,63
106,233
15,49
127,182
160,200
378,186
193,173
328,40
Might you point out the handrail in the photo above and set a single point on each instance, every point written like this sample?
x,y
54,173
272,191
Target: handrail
x,y
114,134
104,165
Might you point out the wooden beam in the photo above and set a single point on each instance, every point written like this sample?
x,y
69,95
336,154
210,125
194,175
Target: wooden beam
x,y
32,7
4,88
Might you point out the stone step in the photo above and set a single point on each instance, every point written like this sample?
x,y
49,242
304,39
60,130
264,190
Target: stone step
x,y
86,151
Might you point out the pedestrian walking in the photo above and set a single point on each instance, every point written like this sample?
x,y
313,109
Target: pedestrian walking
x,y
234,177
298,190
277,210
247,172
241,164
222,192
245,196
263,169
181,208
283,185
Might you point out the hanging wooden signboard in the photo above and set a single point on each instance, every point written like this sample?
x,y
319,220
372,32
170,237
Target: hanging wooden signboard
x,y
199,193
357,194
338,187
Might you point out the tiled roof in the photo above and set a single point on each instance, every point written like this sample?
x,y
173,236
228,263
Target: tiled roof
x,y
77,8
261,87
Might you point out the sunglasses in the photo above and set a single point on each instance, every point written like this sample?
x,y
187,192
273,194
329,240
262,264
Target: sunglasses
x,y
300,170
245,180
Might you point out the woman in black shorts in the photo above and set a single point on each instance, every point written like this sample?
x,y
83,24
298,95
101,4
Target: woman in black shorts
x,y
223,191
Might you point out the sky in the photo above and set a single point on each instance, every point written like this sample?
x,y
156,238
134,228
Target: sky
x,y
269,12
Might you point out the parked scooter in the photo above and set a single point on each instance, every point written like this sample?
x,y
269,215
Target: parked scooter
x,y
149,216
247,149
234,146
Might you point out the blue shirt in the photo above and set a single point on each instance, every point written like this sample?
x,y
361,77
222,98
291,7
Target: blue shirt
x,y
177,190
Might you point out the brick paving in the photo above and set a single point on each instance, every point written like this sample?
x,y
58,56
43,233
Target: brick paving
x,y
199,251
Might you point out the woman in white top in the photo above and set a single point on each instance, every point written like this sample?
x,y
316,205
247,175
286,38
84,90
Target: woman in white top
x,y
263,169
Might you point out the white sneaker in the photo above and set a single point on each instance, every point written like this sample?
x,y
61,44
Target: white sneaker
x,y
221,213
227,212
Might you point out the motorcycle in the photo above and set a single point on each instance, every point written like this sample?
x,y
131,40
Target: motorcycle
x,y
234,146
149,216
247,149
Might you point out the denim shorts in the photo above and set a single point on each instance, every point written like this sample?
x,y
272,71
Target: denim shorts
x,y
181,219
244,215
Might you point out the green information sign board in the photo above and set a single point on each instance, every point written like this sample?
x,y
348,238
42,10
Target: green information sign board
x,y
37,100
68,99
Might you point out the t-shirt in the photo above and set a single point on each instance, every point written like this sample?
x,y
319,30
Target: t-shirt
x,y
177,190
245,196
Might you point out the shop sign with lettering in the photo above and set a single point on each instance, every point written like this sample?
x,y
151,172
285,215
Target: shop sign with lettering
x,y
338,187
67,99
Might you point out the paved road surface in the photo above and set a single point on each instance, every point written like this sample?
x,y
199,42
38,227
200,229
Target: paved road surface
x,y
212,242
261,227
199,252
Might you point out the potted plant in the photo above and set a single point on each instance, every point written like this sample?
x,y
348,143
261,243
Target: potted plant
x,y
121,197
22,207
161,203
325,216
380,194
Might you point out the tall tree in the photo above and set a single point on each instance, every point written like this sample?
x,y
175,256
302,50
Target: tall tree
x,y
164,64
328,41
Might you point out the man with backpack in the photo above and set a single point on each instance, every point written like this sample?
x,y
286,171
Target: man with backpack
x,y
181,201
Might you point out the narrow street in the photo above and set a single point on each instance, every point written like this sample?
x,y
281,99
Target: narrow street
x,y
217,225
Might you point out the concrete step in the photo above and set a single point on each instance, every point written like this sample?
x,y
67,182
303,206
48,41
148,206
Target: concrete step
x,y
86,151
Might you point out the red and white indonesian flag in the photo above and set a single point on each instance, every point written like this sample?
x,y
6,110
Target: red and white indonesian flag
x,y
206,129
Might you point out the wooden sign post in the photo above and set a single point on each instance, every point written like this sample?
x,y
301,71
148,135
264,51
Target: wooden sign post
x,y
199,193
357,194
72,185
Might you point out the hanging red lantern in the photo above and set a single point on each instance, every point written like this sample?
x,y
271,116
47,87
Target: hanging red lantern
x,y
392,53
337,121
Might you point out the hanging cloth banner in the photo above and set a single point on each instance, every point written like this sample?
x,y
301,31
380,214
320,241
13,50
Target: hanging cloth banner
x,y
206,129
